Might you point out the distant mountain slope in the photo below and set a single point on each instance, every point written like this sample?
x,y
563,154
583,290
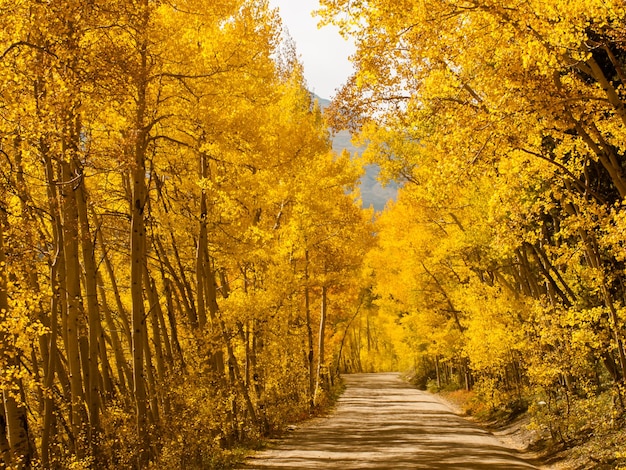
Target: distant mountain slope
x,y
373,194
324,103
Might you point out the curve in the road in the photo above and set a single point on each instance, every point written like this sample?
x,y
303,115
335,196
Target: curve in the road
x,y
383,423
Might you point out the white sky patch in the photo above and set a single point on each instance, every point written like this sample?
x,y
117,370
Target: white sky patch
x,y
323,52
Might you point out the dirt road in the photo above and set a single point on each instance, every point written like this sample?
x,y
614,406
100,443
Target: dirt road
x,y
382,423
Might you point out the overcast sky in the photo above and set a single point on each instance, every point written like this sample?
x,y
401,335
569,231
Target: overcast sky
x,y
323,52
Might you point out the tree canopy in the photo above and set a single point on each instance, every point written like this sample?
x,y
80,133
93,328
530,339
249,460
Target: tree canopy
x,y
501,265
178,240
184,263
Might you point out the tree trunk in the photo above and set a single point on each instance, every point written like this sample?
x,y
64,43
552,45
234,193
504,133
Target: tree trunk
x,y
185,298
322,333
5,449
57,272
309,329
121,311
13,421
93,315
171,316
218,322
155,307
73,305
138,250
202,249
124,374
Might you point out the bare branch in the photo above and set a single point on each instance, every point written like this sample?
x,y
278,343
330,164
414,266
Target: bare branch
x,y
18,44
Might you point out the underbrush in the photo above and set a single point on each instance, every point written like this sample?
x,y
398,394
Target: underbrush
x,y
470,403
202,427
325,402
600,451
580,432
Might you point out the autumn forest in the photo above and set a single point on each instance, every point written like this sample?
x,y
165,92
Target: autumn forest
x,y
185,266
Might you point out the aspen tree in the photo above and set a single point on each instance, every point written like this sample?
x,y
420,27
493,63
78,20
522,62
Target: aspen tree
x,y
515,130
321,338
106,112
138,234
93,315
16,449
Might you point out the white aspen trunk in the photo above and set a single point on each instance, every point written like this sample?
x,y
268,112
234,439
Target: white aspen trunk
x,y
309,327
169,358
137,249
321,346
153,301
137,252
124,372
73,305
121,310
175,344
185,299
186,290
139,196
151,388
202,250
57,270
93,316
106,385
211,298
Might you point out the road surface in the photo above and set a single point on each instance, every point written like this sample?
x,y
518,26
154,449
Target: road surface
x,y
383,423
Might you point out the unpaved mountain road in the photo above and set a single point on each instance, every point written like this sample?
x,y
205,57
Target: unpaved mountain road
x,y
383,423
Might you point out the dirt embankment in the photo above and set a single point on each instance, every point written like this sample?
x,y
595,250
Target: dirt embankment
x,y
593,453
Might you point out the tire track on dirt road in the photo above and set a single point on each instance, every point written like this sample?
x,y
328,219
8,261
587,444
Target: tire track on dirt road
x,y
381,422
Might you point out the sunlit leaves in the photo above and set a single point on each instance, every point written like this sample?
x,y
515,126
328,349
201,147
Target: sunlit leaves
x,y
506,125
177,118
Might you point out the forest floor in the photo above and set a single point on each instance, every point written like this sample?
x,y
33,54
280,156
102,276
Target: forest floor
x,y
382,422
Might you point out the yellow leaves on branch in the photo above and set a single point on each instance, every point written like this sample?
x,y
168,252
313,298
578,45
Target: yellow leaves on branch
x,y
20,329
175,127
502,260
